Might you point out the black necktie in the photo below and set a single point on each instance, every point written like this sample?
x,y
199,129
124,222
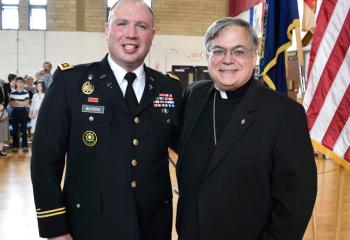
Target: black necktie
x,y
130,96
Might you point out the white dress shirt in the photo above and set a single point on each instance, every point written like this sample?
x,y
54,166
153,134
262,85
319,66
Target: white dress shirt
x,y
138,84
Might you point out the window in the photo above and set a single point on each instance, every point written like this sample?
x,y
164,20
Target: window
x,y
37,14
9,18
111,2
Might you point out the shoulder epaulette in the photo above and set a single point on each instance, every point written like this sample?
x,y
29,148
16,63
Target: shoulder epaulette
x,y
65,66
173,76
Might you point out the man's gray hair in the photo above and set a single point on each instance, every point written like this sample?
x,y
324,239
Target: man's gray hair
x,y
219,25
110,13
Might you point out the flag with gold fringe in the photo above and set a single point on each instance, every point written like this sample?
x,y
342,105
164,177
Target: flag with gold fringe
x,y
281,17
327,97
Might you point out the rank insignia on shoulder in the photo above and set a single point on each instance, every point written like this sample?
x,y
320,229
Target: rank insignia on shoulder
x,y
173,76
88,88
65,66
89,138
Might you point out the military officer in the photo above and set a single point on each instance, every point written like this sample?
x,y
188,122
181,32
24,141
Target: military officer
x,y
113,120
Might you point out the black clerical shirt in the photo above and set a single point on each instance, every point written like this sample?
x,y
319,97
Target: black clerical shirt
x,y
202,144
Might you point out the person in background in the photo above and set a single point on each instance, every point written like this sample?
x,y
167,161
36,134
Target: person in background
x,y
12,83
246,168
45,74
4,122
19,101
29,86
36,103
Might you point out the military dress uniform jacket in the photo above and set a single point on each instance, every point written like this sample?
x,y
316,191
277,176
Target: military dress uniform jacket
x,y
117,183
260,182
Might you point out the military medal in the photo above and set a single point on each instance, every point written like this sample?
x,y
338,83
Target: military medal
x,y
87,87
89,138
164,100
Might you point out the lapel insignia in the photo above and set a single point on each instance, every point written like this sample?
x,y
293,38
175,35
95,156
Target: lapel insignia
x,y
89,138
164,100
151,84
90,77
87,88
243,121
109,84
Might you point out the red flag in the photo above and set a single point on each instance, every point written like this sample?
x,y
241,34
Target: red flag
x,y
327,99
308,23
238,6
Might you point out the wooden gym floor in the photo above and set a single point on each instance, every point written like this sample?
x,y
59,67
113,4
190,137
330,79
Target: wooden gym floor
x,y
17,211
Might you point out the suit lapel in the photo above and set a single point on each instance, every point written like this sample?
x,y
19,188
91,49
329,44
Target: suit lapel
x,y
152,88
241,119
193,110
109,86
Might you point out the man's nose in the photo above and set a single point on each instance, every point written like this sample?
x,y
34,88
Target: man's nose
x,y
131,32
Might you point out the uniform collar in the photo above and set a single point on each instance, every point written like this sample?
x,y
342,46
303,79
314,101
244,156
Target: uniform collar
x,y
120,72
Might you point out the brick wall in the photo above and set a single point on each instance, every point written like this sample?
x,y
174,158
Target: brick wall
x,y
61,15
187,17
176,17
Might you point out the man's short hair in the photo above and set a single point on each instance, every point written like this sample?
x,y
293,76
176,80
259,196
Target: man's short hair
x,y
11,77
110,14
219,25
47,63
19,78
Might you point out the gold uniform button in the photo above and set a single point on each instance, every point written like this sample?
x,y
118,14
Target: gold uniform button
x,y
133,184
91,118
137,120
78,205
135,142
134,163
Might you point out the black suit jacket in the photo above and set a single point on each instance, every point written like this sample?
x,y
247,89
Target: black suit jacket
x,y
260,183
106,195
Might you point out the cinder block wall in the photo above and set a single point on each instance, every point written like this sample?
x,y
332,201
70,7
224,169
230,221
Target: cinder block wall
x,y
175,17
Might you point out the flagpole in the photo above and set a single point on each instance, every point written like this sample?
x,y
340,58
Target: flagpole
x,y
300,57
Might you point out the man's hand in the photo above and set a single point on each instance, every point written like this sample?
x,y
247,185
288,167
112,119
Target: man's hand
x,y
63,237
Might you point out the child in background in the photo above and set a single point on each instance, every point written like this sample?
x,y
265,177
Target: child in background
x,y
19,101
36,103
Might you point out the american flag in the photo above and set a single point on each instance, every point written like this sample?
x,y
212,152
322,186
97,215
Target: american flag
x,y
327,98
238,6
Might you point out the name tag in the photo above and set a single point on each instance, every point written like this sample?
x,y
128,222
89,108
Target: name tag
x,y
93,109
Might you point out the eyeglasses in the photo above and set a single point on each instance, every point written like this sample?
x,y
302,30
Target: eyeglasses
x,y
238,51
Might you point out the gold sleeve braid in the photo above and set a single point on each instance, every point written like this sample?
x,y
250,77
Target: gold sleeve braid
x,y
50,213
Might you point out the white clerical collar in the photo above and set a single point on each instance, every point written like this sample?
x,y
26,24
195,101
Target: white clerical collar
x,y
120,72
222,93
